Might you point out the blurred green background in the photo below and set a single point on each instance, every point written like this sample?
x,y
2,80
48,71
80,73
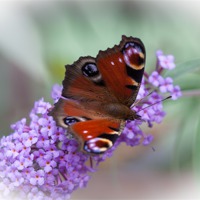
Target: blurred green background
x,y
37,38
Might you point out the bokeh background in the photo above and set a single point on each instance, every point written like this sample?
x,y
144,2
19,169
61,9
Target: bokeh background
x,y
37,38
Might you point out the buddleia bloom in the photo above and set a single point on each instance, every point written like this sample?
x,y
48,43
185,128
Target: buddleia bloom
x,y
39,160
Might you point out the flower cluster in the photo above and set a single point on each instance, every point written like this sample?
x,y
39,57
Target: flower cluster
x,y
41,161
31,160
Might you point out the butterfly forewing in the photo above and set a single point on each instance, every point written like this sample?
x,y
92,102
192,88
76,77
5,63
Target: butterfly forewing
x,y
83,82
122,68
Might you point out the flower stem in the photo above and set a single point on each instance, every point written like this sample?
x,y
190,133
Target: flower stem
x,y
189,93
146,75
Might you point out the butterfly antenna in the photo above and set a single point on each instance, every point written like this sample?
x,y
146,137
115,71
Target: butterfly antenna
x,y
153,149
138,101
156,103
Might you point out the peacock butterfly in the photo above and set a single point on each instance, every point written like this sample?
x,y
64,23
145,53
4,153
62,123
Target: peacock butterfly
x,y
98,93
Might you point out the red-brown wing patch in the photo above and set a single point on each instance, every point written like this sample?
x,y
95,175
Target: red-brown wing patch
x,y
78,86
96,136
122,68
66,109
94,128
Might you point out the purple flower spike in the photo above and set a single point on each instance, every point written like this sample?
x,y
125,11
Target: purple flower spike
x,y
39,157
42,161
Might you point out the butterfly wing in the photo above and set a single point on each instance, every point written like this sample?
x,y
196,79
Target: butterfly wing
x,y
68,111
122,68
96,134
84,83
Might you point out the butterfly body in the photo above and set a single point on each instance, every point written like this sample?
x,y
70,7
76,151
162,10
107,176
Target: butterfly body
x,y
98,92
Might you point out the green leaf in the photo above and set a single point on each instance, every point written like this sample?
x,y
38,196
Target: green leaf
x,y
186,149
188,81
183,68
196,150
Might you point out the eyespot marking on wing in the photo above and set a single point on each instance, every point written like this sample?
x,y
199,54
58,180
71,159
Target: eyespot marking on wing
x,y
134,56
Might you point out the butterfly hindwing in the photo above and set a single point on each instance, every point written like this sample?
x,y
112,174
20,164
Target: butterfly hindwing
x,y
97,136
68,111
